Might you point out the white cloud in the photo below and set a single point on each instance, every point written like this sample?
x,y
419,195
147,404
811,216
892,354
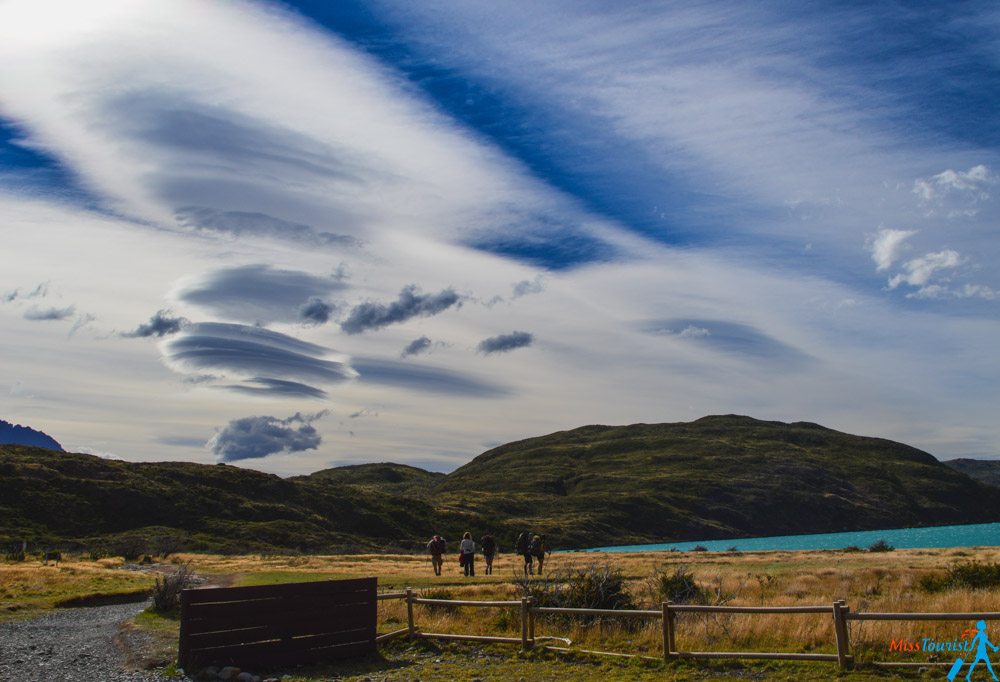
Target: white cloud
x,y
972,182
887,245
918,272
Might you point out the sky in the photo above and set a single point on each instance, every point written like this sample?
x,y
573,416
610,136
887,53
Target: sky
x,y
296,235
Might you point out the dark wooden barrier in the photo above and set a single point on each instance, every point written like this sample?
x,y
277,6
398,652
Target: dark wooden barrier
x,y
275,625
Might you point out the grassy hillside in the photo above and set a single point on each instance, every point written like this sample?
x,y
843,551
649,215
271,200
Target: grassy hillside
x,y
46,495
715,477
983,470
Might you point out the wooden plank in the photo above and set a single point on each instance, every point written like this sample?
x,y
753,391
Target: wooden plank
x,y
989,615
267,633
627,613
277,653
249,606
325,619
699,608
471,638
524,623
392,635
331,587
757,654
567,650
466,602
391,595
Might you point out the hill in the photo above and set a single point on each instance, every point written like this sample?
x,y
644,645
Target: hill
x,y
15,434
983,470
716,477
48,497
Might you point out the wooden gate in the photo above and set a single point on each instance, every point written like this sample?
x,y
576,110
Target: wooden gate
x,y
275,625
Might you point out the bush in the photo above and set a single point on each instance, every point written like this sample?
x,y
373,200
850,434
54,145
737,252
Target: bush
x,y
438,593
699,548
852,548
970,575
592,587
129,547
880,546
167,591
678,586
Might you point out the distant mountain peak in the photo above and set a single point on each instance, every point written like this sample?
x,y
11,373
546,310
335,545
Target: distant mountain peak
x,y
25,435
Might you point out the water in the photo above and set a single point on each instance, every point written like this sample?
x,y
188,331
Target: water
x,y
974,535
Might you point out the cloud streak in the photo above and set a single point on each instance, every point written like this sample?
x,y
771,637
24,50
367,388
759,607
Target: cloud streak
x,y
162,323
504,343
411,303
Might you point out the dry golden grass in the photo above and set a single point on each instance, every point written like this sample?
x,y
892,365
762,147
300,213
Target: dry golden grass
x,y
867,581
28,587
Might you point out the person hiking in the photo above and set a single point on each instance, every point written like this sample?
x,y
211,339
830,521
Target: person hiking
x,y
467,556
981,641
489,546
537,550
523,547
436,548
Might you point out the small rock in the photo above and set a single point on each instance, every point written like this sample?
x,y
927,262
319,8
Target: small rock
x,y
244,677
229,672
208,673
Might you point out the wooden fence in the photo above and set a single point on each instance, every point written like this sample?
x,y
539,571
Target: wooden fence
x,y
838,611
278,624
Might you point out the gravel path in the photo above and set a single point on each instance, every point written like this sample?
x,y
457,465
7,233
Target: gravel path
x,y
69,645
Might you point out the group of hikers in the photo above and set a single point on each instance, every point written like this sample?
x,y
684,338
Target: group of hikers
x,y
531,547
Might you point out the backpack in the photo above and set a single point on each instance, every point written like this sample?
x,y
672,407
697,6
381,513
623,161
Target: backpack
x,y
436,546
537,548
522,543
489,544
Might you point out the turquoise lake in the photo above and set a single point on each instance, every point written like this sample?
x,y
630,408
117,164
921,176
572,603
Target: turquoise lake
x,y
975,535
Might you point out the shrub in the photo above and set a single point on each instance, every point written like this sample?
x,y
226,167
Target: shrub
x,y
167,591
129,547
438,593
852,548
678,586
699,548
591,587
880,546
969,575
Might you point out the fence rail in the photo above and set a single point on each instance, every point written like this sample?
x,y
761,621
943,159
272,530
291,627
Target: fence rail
x,y
839,611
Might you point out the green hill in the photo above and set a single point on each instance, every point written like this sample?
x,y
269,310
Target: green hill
x,y
716,477
983,470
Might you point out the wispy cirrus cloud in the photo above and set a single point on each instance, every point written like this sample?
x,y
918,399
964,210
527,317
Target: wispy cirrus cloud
x,y
49,313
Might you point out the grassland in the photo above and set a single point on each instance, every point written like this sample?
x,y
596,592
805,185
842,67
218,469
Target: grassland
x,y
867,581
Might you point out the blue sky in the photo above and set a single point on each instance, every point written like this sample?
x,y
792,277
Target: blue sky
x,y
303,234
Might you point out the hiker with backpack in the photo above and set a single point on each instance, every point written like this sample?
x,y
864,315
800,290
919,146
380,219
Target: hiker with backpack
x,y
436,547
537,550
523,547
489,545
467,554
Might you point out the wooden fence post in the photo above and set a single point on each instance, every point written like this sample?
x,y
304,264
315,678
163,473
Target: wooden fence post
x,y
668,631
524,623
409,613
840,629
531,620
